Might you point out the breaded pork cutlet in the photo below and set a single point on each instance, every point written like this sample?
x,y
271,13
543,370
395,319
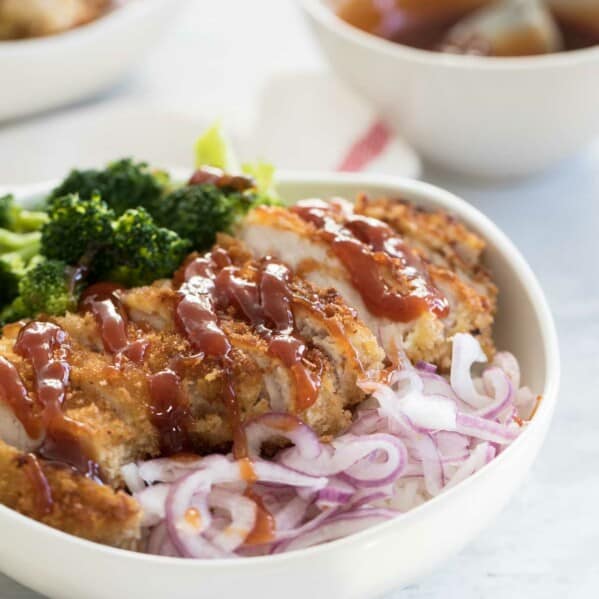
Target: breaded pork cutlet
x,y
339,348
138,381
415,280
66,500
109,403
453,255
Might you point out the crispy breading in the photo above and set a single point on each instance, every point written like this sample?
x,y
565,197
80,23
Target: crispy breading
x,y
110,402
338,343
114,402
450,259
454,259
78,506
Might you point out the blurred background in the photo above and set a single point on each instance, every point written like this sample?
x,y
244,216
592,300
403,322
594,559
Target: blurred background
x,y
146,82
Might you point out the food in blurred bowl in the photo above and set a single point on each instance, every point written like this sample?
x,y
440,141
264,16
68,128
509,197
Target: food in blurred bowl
x,y
102,41
20,19
492,116
481,27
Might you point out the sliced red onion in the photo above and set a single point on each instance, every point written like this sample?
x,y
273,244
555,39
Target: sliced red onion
x,y
432,466
312,523
500,387
366,497
291,515
159,542
242,512
435,384
486,430
452,446
508,363
346,454
466,352
416,436
338,492
270,426
478,458
525,403
271,472
426,366
337,527
367,422
166,469
430,412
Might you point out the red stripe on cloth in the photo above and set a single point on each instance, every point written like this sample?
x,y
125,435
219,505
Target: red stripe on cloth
x,y
367,148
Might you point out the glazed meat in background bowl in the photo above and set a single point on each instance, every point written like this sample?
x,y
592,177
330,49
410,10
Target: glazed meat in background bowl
x,y
366,564
482,27
485,116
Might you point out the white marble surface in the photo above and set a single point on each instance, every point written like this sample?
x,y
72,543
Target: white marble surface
x,y
546,543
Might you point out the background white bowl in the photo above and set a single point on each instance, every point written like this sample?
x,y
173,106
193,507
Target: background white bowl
x,y
362,566
42,73
499,117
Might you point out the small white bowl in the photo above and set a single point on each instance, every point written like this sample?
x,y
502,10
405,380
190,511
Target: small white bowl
x,y
362,566
42,73
492,117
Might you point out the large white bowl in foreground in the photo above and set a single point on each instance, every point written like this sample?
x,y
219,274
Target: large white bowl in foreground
x,y
43,73
498,117
362,566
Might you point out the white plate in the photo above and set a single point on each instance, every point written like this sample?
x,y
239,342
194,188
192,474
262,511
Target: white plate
x,y
367,564
43,73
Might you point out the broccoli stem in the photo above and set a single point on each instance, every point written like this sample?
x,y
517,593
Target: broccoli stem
x,y
30,220
29,243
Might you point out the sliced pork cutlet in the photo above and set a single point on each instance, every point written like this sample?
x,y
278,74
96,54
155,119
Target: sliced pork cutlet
x,y
180,366
73,404
66,500
255,339
411,304
454,258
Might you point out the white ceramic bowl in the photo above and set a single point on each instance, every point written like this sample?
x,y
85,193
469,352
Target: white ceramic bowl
x,y
43,73
497,117
362,566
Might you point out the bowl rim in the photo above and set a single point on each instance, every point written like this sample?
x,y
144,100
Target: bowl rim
x,y
325,16
411,188
131,10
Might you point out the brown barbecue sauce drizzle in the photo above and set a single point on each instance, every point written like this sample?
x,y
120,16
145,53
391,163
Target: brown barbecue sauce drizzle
x,y
212,282
45,346
102,300
364,245
208,175
42,491
169,411
265,526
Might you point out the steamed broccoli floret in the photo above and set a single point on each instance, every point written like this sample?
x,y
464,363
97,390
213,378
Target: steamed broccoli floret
x,y
198,212
76,228
15,218
46,288
42,288
13,312
123,185
140,251
12,268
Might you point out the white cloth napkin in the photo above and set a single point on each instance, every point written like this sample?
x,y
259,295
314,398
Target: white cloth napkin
x,y
298,121
310,121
